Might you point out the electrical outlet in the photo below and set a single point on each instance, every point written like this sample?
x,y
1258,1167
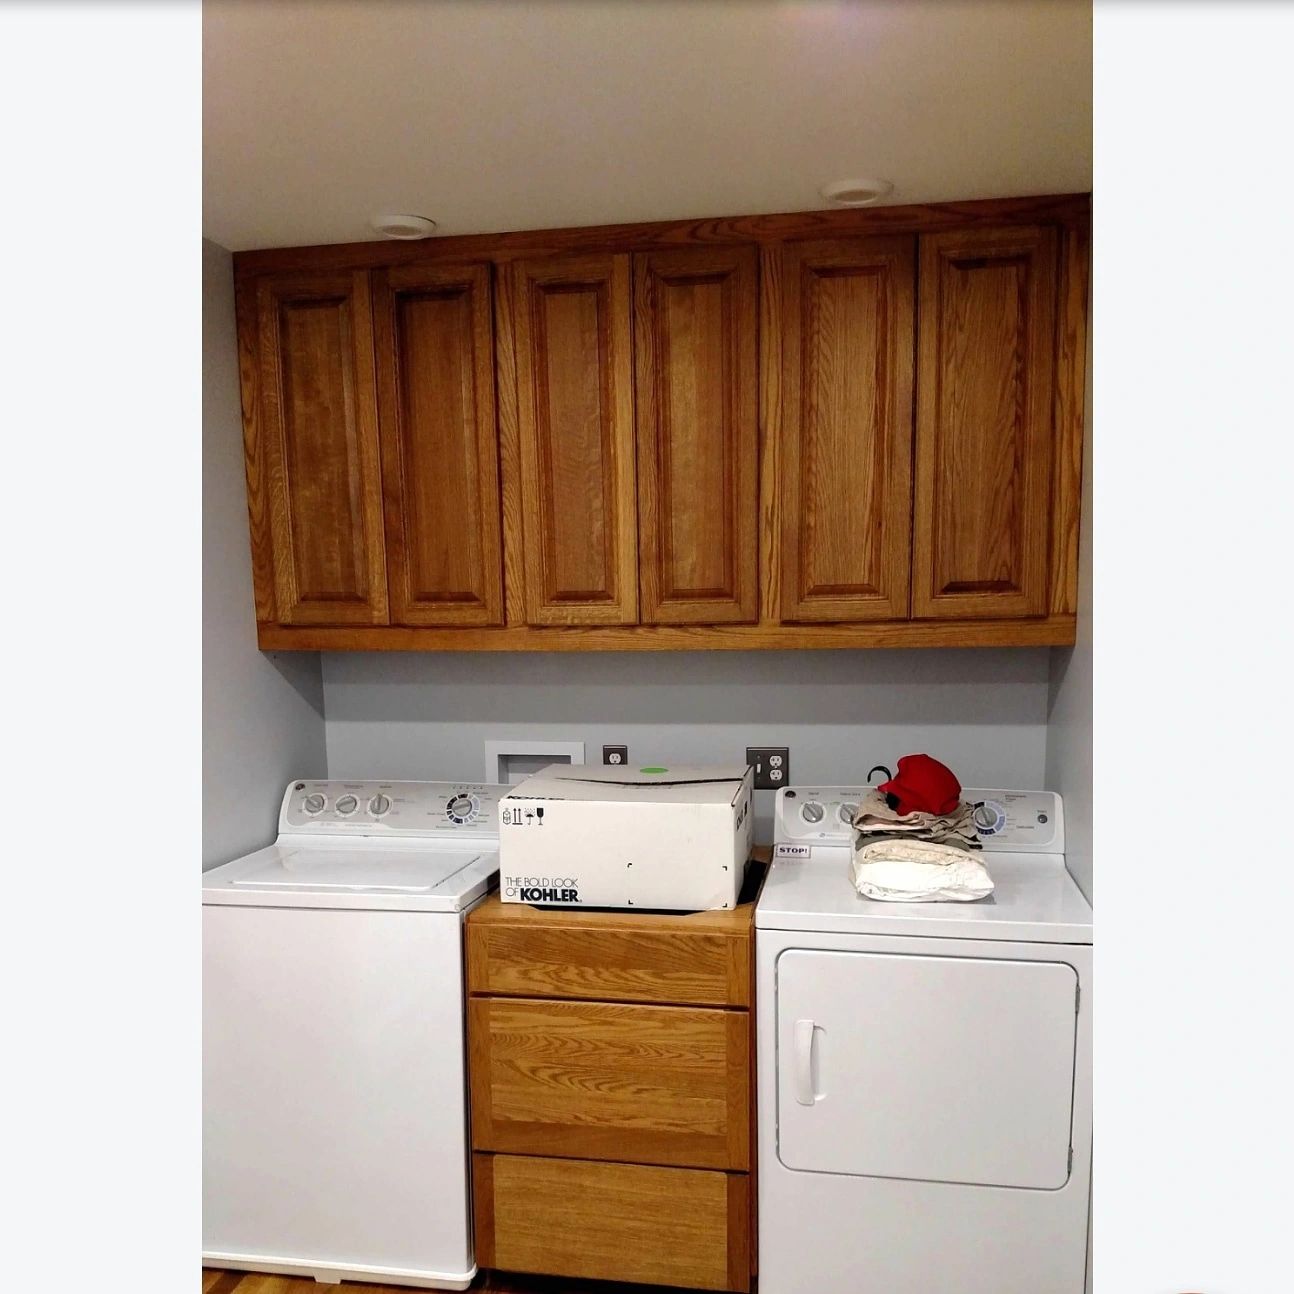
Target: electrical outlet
x,y
772,766
615,755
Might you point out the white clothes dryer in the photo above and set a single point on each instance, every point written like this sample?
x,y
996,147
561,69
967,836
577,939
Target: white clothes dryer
x,y
925,1086
334,1108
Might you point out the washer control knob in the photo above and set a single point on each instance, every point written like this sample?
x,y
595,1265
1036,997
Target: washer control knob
x,y
460,808
812,812
379,804
847,812
314,804
347,804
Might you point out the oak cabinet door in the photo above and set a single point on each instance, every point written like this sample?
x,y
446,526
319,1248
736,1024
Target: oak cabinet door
x,y
575,417
439,444
984,418
846,453
695,353
320,450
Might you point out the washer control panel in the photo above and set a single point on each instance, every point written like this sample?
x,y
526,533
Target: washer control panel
x,y
1007,821
336,808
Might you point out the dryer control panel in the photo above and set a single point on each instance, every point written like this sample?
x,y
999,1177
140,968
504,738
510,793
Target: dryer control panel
x,y
806,818
331,807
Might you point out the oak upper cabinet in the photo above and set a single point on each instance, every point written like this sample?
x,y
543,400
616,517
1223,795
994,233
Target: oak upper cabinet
x,y
846,431
314,481
574,371
984,423
439,438
697,419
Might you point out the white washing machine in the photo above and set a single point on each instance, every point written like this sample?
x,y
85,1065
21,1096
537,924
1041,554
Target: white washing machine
x,y
925,1084
334,1110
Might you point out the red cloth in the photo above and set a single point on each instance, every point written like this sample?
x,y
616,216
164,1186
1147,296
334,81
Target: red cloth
x,y
923,785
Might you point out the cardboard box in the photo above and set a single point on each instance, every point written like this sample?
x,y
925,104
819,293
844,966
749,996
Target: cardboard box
x,y
598,836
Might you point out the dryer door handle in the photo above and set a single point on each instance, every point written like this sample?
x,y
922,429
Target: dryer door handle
x,y
802,1062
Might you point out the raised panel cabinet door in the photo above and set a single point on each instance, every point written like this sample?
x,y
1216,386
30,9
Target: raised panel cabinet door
x,y
575,416
439,440
984,423
320,449
846,453
695,356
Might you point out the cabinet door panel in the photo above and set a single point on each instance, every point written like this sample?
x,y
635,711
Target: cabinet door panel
x,y
575,410
695,315
439,444
321,452
987,334
847,429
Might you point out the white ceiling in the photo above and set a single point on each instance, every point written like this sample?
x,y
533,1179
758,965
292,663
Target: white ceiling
x,y
499,114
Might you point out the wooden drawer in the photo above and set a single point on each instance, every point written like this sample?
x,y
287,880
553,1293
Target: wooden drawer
x,y
587,1080
613,1222
695,959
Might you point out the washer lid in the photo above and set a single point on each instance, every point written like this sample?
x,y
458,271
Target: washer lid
x,y
355,869
1035,900
390,876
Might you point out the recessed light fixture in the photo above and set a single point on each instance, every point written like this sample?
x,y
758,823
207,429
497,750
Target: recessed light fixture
x,y
856,193
404,226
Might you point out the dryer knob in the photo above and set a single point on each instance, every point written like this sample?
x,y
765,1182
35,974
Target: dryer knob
x,y
812,812
847,812
314,803
378,805
347,804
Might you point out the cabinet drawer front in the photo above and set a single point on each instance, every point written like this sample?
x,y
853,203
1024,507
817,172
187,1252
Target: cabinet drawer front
x,y
650,1084
611,964
613,1222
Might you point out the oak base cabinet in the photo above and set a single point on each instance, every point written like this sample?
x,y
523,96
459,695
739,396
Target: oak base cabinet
x,y
611,1072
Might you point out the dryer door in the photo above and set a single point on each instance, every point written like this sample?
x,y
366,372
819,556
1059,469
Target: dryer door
x,y
929,1068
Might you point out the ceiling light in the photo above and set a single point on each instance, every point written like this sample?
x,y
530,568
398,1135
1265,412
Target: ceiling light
x,y
404,226
856,193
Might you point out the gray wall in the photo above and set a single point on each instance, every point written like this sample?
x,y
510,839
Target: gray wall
x,y
428,716
1069,707
262,716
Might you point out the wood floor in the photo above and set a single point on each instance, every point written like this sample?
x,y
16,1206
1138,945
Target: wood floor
x,y
215,1281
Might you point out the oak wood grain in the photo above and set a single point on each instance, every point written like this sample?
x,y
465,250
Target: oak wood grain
x,y
661,235
440,473
318,409
615,962
846,434
617,1222
1049,631
255,453
613,1082
696,358
1071,389
510,469
575,412
984,422
771,315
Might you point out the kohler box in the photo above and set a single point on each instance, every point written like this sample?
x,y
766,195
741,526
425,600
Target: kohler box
x,y
609,837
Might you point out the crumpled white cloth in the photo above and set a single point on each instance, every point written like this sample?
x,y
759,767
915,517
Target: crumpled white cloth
x,y
914,871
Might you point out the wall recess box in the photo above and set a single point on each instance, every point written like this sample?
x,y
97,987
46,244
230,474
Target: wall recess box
x,y
508,761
